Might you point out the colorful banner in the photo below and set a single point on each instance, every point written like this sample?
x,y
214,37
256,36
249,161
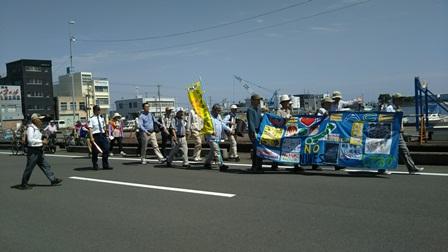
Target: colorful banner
x,y
350,139
195,95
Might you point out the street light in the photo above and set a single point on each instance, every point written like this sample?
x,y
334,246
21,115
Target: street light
x,y
71,40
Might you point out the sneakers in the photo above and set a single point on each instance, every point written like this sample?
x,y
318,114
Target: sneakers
x,y
111,154
56,181
162,160
197,159
186,166
237,159
123,154
144,161
416,169
24,187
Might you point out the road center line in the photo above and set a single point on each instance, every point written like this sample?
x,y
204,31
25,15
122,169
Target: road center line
x,y
174,189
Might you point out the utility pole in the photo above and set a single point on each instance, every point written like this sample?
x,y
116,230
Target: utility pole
x,y
71,40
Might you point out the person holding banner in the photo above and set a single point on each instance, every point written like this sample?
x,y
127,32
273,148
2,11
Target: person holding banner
x,y
339,104
215,138
100,143
254,117
402,147
194,127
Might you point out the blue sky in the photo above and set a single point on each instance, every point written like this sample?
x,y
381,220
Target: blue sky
x,y
374,47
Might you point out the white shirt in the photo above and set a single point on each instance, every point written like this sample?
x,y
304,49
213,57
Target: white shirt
x,y
95,125
195,123
390,108
33,136
51,129
342,104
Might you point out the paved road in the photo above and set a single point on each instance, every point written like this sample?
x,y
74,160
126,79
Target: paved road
x,y
275,211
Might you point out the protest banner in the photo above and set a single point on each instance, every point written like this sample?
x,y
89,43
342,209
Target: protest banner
x,y
195,96
350,139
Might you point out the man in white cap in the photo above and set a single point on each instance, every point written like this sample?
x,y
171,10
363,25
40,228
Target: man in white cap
x,y
194,127
116,125
166,120
339,104
402,147
178,134
230,120
35,154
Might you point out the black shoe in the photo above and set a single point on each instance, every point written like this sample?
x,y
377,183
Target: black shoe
x,y
237,159
223,168
208,166
108,168
96,168
168,164
56,181
24,187
186,166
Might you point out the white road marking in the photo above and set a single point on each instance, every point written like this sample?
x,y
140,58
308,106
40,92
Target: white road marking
x,y
242,165
174,189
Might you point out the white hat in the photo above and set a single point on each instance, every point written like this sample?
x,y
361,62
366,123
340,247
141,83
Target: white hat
x,y
336,94
327,99
396,95
116,115
179,109
35,116
233,106
284,98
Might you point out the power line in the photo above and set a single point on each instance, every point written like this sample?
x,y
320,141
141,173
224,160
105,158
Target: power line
x,y
256,29
169,35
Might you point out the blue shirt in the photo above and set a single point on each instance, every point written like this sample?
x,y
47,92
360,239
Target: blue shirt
x,y
146,122
253,119
218,126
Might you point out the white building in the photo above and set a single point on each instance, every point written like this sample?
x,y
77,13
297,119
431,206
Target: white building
x,y
130,108
94,91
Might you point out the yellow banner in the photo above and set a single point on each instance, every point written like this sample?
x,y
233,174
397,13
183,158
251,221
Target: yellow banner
x,y
195,95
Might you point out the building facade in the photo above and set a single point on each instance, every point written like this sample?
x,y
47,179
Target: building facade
x,y
309,103
130,108
64,109
89,91
36,85
10,106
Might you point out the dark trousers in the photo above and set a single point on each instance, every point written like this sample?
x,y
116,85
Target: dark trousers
x,y
35,156
139,141
165,140
256,161
119,142
101,141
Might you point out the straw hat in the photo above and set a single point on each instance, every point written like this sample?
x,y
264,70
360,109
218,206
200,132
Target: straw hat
x,y
336,94
284,98
116,115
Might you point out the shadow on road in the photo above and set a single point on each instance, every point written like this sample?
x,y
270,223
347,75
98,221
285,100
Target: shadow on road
x,y
84,169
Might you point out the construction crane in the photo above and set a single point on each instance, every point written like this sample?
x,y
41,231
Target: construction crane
x,y
272,102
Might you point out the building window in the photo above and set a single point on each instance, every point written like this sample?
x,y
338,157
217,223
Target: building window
x,y
63,106
33,69
130,105
102,101
102,89
34,82
120,105
72,106
134,104
82,106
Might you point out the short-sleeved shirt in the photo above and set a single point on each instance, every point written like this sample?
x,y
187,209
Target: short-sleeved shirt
x,y
178,124
95,122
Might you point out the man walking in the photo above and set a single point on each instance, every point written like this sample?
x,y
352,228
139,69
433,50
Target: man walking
x,y
253,120
178,131
100,143
402,147
214,139
148,127
194,127
230,120
166,120
35,154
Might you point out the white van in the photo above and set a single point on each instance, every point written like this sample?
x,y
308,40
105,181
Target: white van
x,y
59,123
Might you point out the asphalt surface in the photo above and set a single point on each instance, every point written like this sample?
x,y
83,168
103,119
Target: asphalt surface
x,y
275,211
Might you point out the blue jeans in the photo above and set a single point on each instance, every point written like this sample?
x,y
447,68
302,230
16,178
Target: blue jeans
x,y
35,156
